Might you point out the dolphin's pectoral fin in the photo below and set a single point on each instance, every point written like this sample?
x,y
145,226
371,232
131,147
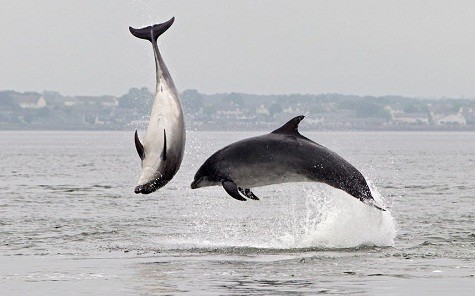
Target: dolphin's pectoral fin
x,y
164,151
247,192
139,146
232,189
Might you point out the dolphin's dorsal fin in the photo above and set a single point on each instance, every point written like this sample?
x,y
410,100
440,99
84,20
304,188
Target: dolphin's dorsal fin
x,y
139,146
291,127
151,33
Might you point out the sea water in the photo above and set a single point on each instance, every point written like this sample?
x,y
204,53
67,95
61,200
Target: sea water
x,y
70,223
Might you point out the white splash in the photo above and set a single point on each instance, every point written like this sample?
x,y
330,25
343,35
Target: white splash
x,y
301,215
334,219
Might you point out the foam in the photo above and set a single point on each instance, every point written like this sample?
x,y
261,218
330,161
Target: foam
x,y
303,215
334,219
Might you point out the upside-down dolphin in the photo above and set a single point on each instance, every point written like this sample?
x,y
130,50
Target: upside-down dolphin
x,y
282,156
164,143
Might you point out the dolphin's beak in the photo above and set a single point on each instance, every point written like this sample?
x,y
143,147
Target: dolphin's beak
x,y
151,186
195,183
145,189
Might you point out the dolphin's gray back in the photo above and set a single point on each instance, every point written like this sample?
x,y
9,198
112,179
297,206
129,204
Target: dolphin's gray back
x,y
279,158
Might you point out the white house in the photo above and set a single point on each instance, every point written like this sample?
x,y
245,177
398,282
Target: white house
x,y
262,110
31,102
290,110
411,118
106,101
70,102
452,119
109,101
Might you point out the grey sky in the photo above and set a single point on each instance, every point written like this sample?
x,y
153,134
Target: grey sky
x,y
412,48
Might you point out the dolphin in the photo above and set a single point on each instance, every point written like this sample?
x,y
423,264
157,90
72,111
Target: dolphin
x,y
282,156
164,143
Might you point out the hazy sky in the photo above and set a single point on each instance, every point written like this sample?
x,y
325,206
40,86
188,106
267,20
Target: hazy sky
x,y
412,48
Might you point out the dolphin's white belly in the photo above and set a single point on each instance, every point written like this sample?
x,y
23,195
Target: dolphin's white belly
x,y
166,114
264,174
166,117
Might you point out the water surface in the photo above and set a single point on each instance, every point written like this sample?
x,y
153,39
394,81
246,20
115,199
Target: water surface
x,y
71,224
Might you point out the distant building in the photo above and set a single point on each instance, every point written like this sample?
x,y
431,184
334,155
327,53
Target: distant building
x,y
410,118
230,111
452,119
469,115
31,101
292,109
110,102
69,102
262,110
106,101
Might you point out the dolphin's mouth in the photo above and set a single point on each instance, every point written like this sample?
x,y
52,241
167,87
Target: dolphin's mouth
x,y
151,186
194,184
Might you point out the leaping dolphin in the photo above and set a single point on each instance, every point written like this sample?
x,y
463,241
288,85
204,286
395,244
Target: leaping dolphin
x,y
164,143
282,156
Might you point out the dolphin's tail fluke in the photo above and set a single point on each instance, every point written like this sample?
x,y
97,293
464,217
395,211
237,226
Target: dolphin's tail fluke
x,y
151,33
